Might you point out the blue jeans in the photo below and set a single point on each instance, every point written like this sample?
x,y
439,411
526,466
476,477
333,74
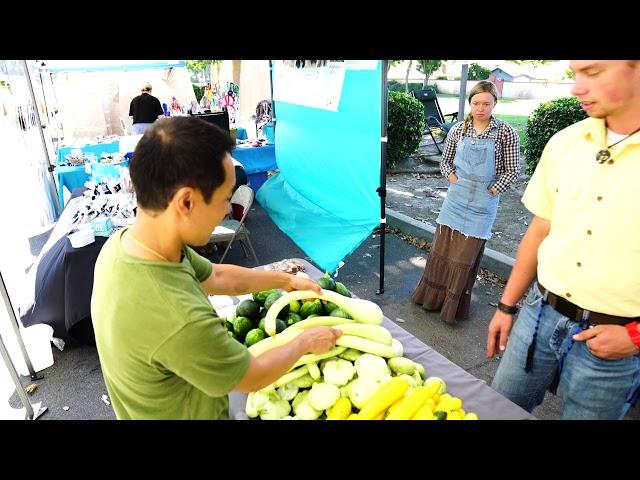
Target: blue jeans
x,y
591,388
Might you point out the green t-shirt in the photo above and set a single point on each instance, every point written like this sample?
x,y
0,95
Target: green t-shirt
x,y
164,353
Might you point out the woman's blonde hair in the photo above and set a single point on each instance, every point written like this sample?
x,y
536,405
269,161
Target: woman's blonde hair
x,y
483,86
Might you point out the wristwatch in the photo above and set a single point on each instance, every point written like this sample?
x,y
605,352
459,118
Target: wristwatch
x,y
511,310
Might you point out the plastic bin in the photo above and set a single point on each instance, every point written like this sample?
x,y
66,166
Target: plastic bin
x,y
37,341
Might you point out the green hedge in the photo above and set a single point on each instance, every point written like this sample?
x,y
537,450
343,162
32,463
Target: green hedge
x,y
395,86
198,90
545,121
405,117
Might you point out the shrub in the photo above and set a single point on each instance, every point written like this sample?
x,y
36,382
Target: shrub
x,y
405,127
198,90
546,120
395,86
478,72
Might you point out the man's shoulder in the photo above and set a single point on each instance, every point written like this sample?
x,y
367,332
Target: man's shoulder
x,y
576,130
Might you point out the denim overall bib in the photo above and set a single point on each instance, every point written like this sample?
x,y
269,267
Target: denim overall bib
x,y
469,207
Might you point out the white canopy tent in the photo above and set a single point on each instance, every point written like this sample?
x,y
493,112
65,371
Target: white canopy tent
x,y
93,95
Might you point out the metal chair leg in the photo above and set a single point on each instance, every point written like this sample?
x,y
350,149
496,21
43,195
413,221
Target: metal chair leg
x,y
253,252
434,140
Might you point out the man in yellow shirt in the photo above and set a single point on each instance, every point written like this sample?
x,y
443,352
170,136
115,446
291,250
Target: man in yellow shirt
x,y
578,328
164,352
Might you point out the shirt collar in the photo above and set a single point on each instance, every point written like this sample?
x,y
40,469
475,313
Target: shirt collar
x,y
596,130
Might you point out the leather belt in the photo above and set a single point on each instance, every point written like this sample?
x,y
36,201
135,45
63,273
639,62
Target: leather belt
x,y
574,312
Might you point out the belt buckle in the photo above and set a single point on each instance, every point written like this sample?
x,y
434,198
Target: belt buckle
x,y
582,316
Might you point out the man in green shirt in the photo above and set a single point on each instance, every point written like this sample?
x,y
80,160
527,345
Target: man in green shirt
x,y
164,352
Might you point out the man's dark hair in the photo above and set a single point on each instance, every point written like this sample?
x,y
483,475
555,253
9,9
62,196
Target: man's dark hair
x,y
178,152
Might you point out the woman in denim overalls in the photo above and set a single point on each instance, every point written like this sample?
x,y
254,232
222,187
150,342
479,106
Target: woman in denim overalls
x,y
470,207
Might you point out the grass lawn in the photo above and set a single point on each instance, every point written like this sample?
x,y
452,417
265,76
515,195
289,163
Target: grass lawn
x,y
519,122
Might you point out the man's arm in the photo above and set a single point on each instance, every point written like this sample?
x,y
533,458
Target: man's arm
x,y
523,273
234,280
267,368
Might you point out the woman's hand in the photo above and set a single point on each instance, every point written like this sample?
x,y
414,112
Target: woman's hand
x,y
493,191
453,178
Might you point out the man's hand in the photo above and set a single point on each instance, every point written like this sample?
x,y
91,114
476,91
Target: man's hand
x,y
297,282
319,339
499,330
609,342
453,178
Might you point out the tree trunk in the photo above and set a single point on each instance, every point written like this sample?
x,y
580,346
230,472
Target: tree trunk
x,y
425,82
406,78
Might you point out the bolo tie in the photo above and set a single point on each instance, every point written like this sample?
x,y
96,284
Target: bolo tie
x,y
603,155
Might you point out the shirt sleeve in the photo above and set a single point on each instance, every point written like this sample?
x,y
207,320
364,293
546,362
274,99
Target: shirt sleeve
x,y
131,109
537,197
510,143
449,152
206,356
202,266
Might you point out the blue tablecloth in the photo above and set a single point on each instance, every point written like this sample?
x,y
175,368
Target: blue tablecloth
x,y
96,148
256,159
75,177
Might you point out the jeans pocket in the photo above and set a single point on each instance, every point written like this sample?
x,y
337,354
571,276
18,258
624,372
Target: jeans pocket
x,y
534,296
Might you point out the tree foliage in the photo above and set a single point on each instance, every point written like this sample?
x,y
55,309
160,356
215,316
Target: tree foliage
x,y
478,72
197,66
428,67
531,62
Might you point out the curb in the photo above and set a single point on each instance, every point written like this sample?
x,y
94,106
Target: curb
x,y
494,261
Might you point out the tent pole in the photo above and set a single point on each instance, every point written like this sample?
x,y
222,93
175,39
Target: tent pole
x,y
31,415
50,167
16,328
382,189
463,91
273,105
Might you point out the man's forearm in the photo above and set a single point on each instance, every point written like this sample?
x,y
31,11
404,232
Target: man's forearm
x,y
235,280
271,365
526,265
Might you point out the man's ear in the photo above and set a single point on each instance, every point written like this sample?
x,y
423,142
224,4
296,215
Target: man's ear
x,y
184,199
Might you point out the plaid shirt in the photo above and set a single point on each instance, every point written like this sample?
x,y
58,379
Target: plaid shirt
x,y
507,150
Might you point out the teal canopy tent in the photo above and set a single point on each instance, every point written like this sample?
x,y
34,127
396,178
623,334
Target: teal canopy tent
x,y
326,196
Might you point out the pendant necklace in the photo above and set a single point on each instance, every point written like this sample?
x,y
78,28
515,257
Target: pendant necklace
x,y
142,245
604,154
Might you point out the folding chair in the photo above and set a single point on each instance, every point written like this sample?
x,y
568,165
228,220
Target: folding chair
x,y
231,229
433,117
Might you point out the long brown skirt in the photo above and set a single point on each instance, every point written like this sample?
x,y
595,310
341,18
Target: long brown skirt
x,y
449,275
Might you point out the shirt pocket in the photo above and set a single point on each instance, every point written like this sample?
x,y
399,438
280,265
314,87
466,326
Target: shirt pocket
x,y
565,193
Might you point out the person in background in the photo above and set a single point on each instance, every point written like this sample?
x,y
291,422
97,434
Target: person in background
x,y
144,109
164,351
176,108
578,327
481,159
205,103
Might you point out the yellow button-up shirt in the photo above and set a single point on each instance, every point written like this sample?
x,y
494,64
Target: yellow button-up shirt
x,y
591,256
